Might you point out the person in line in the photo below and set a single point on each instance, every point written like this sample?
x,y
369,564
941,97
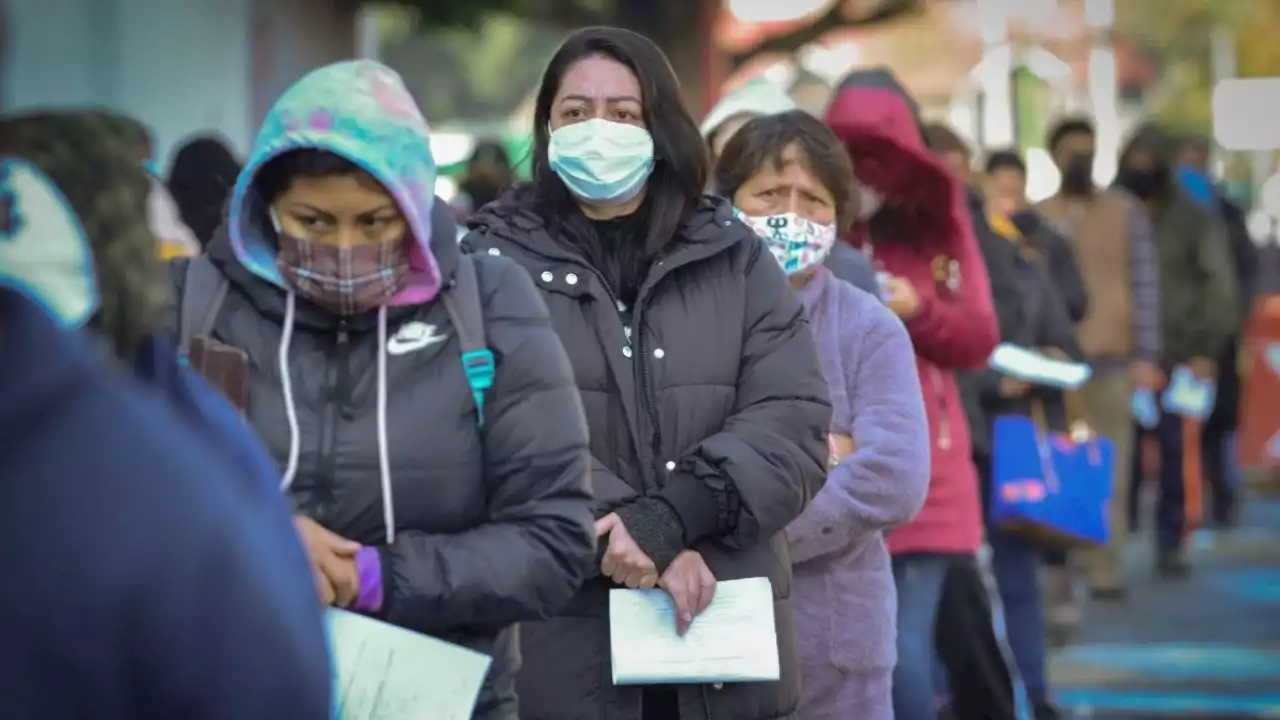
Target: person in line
x,y
1005,187
922,235
1221,468
1198,317
1016,558
159,576
792,182
489,172
698,371
200,179
1120,334
419,404
977,674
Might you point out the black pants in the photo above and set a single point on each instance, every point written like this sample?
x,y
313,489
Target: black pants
x,y
1171,504
661,702
1221,423
982,686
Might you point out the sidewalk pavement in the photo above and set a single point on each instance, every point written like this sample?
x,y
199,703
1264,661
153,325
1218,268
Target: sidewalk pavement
x,y
1207,646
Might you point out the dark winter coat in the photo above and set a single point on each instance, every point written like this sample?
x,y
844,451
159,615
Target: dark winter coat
x,y
705,396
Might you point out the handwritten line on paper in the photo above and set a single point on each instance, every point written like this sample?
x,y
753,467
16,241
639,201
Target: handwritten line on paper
x,y
382,672
733,640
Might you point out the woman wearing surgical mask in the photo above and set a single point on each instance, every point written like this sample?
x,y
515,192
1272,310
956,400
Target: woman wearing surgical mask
x,y
706,404
791,182
418,403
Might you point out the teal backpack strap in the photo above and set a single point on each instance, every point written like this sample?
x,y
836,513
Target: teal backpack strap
x,y
462,300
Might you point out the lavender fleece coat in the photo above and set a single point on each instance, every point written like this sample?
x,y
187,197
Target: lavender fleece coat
x,y
843,589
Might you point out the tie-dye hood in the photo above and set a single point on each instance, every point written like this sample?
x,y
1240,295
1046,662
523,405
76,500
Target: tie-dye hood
x,y
361,111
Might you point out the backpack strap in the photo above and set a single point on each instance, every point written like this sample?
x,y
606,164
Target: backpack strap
x,y
201,295
462,300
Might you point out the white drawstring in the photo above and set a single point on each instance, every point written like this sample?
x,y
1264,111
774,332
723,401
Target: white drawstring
x,y
384,452
291,413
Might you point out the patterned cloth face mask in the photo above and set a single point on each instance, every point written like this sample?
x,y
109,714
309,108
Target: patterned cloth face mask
x,y
797,243
344,279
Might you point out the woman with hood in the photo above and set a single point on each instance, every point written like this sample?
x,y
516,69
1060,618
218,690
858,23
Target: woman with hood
x,y
791,181
419,404
915,223
707,407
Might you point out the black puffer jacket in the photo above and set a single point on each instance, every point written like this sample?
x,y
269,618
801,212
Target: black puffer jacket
x,y
493,526
711,389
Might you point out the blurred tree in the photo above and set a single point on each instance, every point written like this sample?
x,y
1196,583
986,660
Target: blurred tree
x,y
1178,35
839,14
471,14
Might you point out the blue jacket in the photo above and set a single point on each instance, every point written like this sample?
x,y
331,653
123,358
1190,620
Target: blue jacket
x,y
147,575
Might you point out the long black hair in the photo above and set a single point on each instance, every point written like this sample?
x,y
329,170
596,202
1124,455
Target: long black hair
x,y
681,164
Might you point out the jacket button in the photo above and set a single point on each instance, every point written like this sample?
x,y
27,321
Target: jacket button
x,y
626,351
571,279
495,251
671,465
659,352
547,276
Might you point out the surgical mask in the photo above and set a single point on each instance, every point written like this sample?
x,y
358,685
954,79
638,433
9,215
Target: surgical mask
x,y
869,201
1077,174
602,161
44,252
344,279
797,243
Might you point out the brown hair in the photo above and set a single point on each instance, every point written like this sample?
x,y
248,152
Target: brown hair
x,y
942,139
765,139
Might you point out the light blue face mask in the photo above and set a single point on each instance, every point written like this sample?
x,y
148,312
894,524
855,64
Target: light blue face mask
x,y
602,161
44,253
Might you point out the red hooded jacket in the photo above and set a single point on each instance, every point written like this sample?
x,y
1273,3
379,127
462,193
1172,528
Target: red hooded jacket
x,y
929,240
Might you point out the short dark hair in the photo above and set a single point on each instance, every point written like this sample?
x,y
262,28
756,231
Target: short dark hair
x,y
942,139
680,166
1005,160
1066,127
274,177
765,139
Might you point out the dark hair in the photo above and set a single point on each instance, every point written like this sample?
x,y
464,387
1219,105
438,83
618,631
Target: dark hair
x,y
1005,160
274,177
490,151
765,139
200,180
1067,127
942,139
680,157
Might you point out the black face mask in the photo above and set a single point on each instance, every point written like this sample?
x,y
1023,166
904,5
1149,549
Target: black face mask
x,y
1145,183
1077,175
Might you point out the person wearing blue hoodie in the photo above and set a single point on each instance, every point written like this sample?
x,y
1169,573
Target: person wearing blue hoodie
x,y
159,577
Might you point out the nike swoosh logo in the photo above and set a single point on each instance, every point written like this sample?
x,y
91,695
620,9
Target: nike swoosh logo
x,y
413,337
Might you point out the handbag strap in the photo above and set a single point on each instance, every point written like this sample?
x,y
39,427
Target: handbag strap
x,y
1036,410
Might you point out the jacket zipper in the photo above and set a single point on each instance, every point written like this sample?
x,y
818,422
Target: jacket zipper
x,y
337,378
944,418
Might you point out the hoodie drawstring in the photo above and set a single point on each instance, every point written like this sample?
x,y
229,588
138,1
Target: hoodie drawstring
x,y
291,412
384,452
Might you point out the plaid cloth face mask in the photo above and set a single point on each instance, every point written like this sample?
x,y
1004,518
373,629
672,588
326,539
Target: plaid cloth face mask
x,y
345,279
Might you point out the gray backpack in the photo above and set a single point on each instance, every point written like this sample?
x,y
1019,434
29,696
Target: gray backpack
x,y
202,289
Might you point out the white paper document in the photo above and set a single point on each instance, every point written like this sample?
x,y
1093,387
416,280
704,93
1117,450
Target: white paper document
x,y
733,640
382,672
1038,369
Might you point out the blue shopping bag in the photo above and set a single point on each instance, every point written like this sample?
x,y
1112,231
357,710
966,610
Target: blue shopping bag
x,y
1050,485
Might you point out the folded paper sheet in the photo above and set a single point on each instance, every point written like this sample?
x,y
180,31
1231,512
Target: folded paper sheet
x,y
382,672
1038,369
734,640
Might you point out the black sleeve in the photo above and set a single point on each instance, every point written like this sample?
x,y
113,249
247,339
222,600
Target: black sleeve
x,y
770,458
1055,328
1245,256
539,542
1065,271
1000,257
